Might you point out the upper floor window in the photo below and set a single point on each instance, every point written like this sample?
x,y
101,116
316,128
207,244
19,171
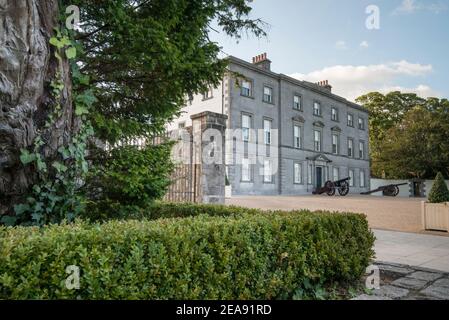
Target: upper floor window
x,y
268,94
246,127
208,94
317,109
362,150
334,114
317,140
350,120
335,143
267,131
361,124
297,173
297,102
181,125
297,136
350,148
247,88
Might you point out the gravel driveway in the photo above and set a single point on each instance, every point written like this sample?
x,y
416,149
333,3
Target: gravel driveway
x,y
399,214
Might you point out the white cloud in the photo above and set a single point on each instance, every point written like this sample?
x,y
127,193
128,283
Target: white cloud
x,y
341,45
353,81
412,6
364,44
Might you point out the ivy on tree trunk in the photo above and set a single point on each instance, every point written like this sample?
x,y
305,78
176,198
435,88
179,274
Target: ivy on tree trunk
x,y
27,68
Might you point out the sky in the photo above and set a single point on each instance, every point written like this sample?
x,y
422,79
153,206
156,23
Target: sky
x,y
406,48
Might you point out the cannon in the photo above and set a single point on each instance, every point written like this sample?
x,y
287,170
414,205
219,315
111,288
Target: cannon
x,y
391,190
330,187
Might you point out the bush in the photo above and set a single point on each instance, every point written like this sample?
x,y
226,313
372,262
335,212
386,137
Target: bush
x,y
246,256
439,192
130,179
158,209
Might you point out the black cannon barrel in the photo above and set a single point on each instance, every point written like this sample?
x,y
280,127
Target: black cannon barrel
x,y
343,180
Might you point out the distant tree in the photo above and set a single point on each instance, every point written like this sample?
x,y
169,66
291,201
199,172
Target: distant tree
x,y
409,136
439,192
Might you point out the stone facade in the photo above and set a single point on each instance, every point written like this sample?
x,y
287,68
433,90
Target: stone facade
x,y
296,166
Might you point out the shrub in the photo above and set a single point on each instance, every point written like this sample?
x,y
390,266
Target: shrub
x,y
131,179
247,256
158,209
439,192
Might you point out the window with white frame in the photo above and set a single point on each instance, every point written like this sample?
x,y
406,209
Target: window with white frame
x,y
268,94
246,170
297,136
208,94
350,120
362,150
350,148
335,143
335,174
317,108
246,127
247,88
351,178
267,171
267,131
310,174
297,102
361,124
297,173
362,179
334,114
317,140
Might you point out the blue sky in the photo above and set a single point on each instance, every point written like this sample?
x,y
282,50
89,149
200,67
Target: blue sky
x,y
328,40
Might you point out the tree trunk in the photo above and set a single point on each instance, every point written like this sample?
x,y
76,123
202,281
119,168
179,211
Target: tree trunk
x,y
27,67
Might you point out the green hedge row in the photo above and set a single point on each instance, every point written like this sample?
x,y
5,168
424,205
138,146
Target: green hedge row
x,y
245,256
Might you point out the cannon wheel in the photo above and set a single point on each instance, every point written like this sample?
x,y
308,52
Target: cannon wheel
x,y
329,185
344,189
396,191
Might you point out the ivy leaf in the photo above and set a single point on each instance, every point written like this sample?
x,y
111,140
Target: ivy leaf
x,y
70,53
20,209
80,110
26,157
55,42
59,167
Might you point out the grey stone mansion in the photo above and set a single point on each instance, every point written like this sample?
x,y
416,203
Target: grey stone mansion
x,y
312,134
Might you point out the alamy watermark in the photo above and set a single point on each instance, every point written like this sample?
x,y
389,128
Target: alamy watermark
x,y
72,282
373,20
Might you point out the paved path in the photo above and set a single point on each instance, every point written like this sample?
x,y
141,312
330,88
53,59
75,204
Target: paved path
x,y
399,214
401,282
427,251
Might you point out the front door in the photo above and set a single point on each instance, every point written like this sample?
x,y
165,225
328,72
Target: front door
x,y
319,177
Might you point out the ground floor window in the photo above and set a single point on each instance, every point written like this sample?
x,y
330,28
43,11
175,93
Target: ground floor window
x,y
362,179
246,170
351,176
267,171
298,173
336,174
310,174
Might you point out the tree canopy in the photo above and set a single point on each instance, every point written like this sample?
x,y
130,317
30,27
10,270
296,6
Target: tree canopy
x,y
409,135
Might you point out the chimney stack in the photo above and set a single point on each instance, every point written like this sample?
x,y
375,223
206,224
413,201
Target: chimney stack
x,y
325,84
262,62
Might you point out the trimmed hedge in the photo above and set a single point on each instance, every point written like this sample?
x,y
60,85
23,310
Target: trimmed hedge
x,y
244,256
